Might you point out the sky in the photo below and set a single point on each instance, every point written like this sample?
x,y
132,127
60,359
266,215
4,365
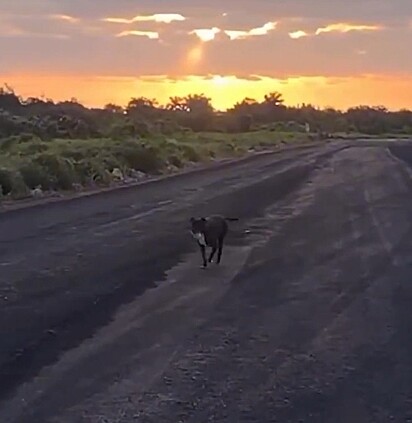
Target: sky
x,y
337,53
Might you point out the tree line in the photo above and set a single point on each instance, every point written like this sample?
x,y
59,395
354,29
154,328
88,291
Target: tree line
x,y
143,116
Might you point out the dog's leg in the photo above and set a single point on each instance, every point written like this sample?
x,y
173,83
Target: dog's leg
x,y
203,250
212,254
219,254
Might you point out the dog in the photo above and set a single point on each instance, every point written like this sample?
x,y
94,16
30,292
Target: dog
x,y
210,232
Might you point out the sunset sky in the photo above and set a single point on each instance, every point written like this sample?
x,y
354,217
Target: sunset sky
x,y
336,53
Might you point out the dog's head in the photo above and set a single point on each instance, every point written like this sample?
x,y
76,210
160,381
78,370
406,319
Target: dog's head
x,y
198,228
197,224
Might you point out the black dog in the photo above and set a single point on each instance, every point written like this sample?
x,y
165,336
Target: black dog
x,y
210,232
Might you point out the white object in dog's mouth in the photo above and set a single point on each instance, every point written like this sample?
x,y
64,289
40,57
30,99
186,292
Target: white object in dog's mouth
x,y
200,238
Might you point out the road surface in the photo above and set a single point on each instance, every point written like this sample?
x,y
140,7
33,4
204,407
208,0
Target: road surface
x,y
106,315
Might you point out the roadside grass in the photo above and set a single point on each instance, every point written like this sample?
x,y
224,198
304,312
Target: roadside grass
x,y
28,163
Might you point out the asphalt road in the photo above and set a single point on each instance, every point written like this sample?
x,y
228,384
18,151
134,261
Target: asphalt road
x,y
106,315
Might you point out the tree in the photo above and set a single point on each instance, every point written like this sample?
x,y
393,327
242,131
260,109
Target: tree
x,y
199,103
245,123
194,111
272,109
274,99
113,108
142,103
193,103
178,104
9,100
142,107
246,106
370,120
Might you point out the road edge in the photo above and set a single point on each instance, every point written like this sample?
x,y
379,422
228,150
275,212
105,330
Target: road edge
x,y
19,205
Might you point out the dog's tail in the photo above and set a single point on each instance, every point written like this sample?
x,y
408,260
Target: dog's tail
x,y
231,219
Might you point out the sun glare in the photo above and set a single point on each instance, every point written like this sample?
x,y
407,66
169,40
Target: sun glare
x,y
220,80
206,34
195,55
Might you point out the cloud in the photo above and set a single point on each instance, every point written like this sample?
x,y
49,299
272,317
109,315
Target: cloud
x,y
227,78
295,35
65,18
340,27
241,35
11,30
182,53
206,34
152,35
210,33
157,78
159,18
347,27
20,33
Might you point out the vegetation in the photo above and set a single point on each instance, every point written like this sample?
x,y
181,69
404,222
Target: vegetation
x,y
48,146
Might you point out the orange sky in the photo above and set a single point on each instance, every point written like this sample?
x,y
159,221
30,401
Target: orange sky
x,y
393,92
327,53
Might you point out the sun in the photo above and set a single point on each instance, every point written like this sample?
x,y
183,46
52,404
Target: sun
x,y
220,80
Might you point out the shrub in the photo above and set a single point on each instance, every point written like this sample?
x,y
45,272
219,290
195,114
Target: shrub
x,y
190,153
245,123
121,130
137,156
27,137
176,160
32,148
109,161
34,175
8,142
61,171
91,169
11,183
142,128
6,181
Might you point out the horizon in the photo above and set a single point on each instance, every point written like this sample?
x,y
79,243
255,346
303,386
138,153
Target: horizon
x,y
7,88
315,52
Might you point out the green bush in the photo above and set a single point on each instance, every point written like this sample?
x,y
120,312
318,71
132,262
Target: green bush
x,y
8,142
121,130
136,156
61,171
142,128
176,161
60,163
6,181
190,153
35,175
27,137
92,170
32,148
11,183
